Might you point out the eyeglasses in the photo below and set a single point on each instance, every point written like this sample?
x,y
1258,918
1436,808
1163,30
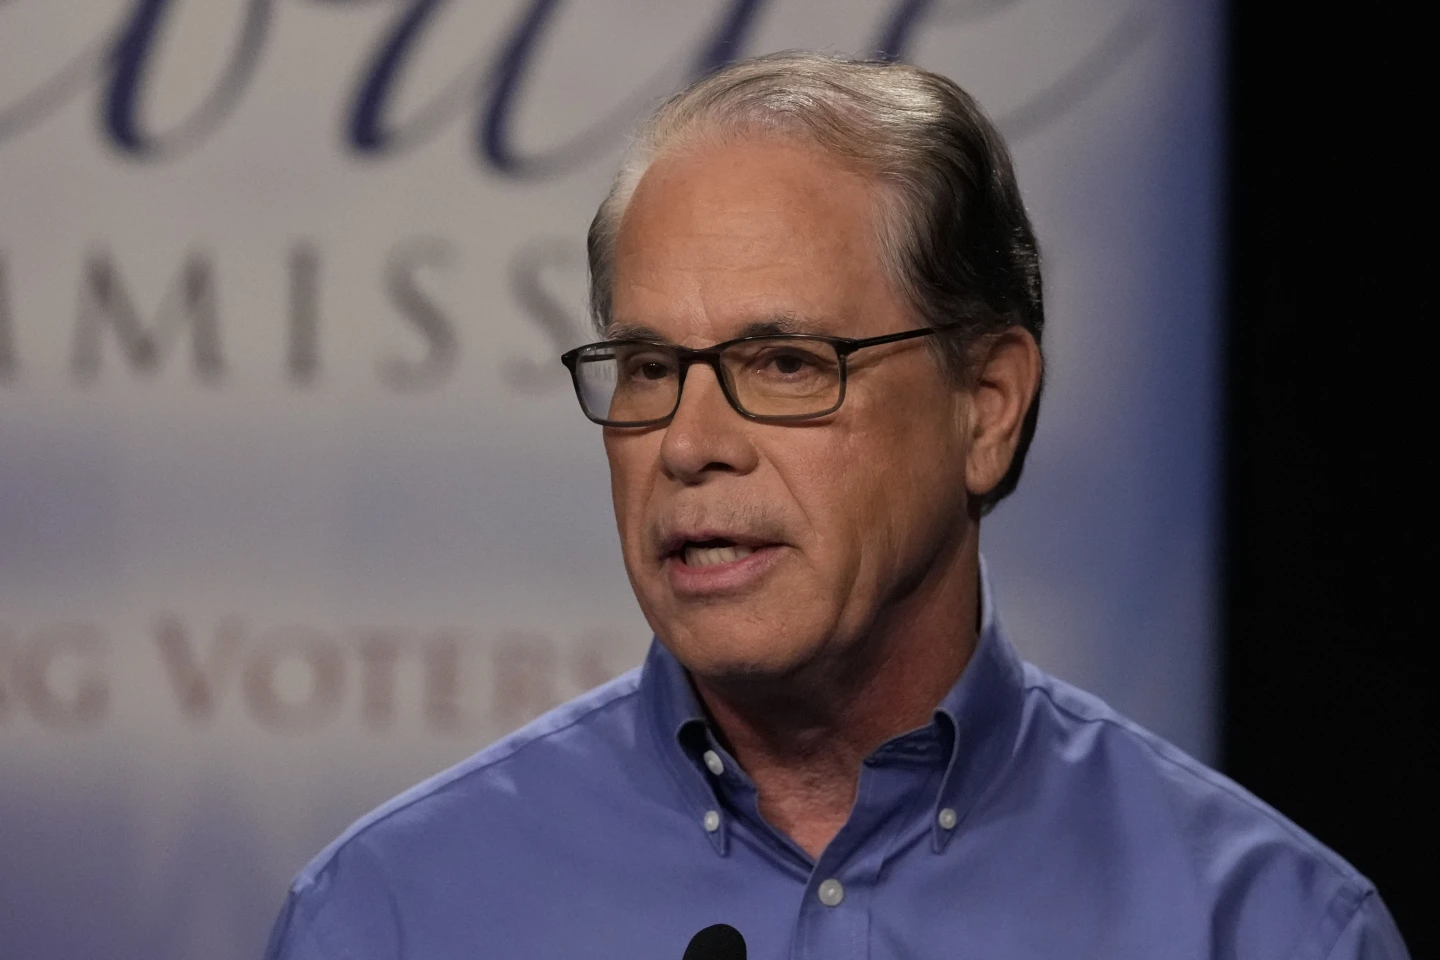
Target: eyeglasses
x,y
773,379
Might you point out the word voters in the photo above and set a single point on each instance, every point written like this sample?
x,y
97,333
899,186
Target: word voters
x,y
295,679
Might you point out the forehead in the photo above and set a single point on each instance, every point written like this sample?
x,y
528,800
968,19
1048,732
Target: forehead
x,y
719,237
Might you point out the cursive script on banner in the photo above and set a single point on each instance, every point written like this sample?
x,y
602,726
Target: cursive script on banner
x,y
119,64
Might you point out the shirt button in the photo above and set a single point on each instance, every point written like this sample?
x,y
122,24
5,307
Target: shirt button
x,y
712,821
831,893
713,761
948,819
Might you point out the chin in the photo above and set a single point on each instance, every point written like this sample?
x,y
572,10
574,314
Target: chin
x,y
722,655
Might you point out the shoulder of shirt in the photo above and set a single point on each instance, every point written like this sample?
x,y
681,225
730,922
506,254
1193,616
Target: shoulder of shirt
x,y
566,717
1208,785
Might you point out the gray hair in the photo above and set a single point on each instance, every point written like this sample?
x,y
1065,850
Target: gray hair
x,y
951,229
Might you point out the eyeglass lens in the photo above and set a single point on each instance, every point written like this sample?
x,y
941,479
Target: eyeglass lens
x,y
768,377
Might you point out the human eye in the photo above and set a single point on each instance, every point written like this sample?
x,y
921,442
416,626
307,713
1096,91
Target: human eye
x,y
645,364
790,361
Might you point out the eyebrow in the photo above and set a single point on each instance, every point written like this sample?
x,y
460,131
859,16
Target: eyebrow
x,y
633,331
779,324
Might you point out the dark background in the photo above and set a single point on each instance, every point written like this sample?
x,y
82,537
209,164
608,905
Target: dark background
x,y
1330,554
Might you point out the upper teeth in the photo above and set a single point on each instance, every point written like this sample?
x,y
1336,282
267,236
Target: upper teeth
x,y
709,556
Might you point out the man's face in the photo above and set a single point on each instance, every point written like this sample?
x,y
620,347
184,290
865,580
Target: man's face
x,y
808,532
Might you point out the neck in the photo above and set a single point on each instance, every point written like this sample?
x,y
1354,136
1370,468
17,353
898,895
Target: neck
x,y
803,739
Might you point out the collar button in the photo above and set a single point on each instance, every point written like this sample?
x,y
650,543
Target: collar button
x,y
831,892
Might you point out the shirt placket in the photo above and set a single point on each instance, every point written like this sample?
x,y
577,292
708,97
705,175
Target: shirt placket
x,y
834,917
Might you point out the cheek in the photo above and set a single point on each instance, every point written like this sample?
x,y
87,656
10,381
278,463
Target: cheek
x,y
841,483
929,491
881,491
630,482
898,480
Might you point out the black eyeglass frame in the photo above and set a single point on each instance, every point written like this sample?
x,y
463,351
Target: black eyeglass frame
x,y
710,356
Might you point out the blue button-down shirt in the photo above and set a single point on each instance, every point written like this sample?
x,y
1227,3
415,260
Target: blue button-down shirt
x,y
1028,820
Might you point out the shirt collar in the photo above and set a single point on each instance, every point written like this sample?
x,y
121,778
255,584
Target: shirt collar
x,y
976,723
676,720
982,714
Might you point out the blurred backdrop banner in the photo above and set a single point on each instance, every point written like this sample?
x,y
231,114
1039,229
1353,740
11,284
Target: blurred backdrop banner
x,y
296,503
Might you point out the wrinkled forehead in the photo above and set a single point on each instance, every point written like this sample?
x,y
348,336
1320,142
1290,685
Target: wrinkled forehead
x,y
760,231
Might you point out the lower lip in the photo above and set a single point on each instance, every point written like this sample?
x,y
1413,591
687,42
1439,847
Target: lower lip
x,y
719,579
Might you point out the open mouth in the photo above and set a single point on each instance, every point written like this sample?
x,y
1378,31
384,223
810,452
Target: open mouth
x,y
710,564
712,553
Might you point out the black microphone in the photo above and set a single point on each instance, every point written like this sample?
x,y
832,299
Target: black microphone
x,y
718,942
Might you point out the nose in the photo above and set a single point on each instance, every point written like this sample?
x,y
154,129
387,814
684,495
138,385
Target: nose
x,y
706,436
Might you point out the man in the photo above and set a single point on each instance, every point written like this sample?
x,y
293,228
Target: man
x,y
820,297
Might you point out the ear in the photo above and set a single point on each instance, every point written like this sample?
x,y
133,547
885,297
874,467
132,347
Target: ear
x,y
1006,382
